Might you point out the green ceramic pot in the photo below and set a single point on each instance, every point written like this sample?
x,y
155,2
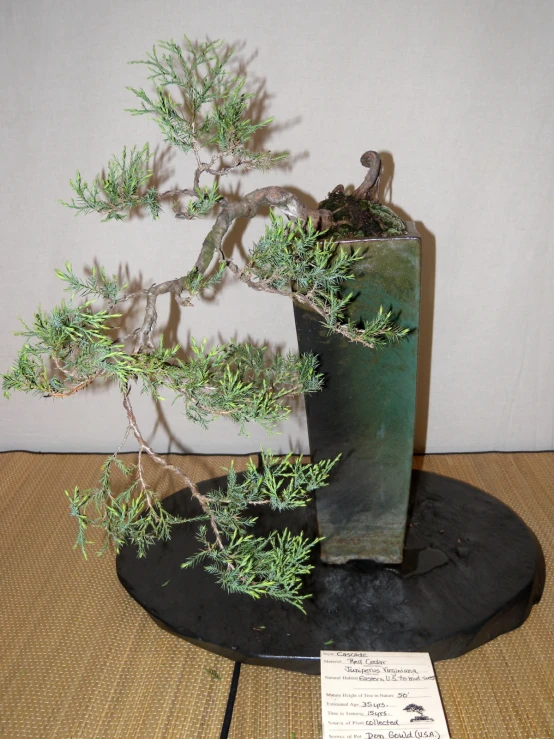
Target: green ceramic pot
x,y
366,412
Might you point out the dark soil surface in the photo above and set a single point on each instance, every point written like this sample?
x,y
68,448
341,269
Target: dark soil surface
x,y
356,219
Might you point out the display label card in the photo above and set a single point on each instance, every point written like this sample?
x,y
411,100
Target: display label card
x,y
380,695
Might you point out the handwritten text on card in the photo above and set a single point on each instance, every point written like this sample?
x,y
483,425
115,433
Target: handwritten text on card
x,y
380,695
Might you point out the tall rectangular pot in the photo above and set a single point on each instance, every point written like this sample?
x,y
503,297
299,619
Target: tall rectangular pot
x,y
366,411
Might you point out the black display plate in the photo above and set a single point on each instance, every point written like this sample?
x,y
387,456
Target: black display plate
x,y
472,571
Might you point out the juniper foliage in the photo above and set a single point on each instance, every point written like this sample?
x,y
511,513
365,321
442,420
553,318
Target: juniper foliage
x,y
296,260
212,111
237,380
261,566
118,191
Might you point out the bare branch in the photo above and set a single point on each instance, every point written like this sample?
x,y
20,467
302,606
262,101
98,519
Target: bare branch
x,y
369,189
74,389
183,191
305,300
144,333
145,447
248,207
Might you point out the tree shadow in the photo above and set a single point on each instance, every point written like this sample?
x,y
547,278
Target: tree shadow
x,y
259,104
174,444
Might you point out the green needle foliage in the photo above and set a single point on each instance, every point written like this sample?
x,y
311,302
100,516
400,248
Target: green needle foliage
x,y
261,566
98,285
210,115
120,190
204,202
211,112
293,258
76,341
131,516
235,380
242,563
201,107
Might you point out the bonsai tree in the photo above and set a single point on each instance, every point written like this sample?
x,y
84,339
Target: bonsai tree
x,y
414,708
83,341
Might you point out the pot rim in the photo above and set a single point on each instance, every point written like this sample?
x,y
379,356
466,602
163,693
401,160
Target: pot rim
x,y
411,233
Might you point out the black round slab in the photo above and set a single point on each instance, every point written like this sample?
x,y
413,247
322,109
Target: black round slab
x,y
472,571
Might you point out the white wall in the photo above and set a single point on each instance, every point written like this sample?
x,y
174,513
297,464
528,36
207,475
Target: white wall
x,y
460,94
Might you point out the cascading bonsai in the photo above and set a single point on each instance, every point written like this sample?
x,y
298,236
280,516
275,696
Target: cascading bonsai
x,y
79,343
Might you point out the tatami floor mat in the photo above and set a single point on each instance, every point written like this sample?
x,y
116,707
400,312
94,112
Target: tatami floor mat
x,y
80,659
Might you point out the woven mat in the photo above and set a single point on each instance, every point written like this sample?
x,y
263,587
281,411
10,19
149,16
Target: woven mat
x,y
80,659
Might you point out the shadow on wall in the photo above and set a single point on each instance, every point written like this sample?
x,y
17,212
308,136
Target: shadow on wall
x,y
234,244
427,305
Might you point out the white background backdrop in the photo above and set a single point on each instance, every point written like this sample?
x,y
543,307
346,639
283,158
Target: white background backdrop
x,y
459,94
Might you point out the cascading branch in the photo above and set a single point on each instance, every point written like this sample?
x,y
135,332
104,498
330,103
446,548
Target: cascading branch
x,y
82,341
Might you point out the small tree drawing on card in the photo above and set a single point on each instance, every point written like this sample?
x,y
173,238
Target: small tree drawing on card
x,y
414,708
